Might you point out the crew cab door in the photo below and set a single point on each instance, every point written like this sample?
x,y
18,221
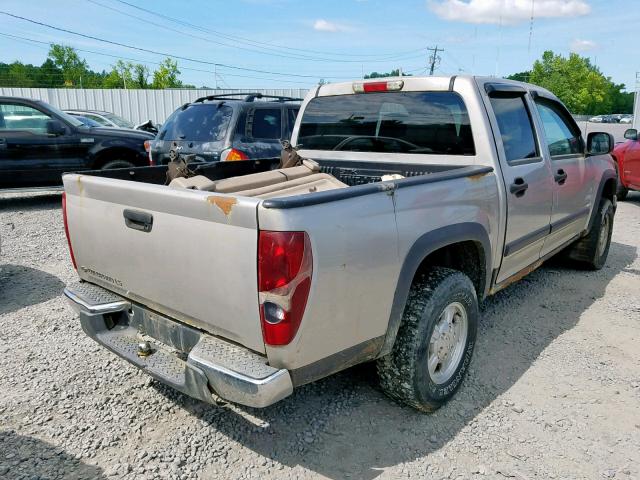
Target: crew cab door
x,y
573,189
528,183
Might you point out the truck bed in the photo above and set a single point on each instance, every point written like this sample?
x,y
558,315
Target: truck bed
x,y
194,259
352,173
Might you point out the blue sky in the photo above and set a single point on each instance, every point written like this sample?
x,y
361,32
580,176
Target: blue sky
x,y
330,39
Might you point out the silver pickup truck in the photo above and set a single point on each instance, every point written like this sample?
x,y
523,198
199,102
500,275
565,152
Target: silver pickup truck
x,y
417,198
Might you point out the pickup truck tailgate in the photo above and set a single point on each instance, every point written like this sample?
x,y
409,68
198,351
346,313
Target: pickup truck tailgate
x,y
198,255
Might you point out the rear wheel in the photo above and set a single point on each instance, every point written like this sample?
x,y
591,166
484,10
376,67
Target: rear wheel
x,y
435,341
592,250
117,164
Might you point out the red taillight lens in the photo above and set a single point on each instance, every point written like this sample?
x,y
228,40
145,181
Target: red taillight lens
x,y
375,87
147,148
284,279
235,155
370,87
66,228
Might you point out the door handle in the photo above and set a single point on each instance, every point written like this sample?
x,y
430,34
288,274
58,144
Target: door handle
x,y
138,220
560,177
518,187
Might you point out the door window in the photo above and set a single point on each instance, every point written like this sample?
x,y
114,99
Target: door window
x,y
516,129
267,123
563,136
14,116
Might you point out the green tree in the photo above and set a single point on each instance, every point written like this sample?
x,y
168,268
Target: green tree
x,y
575,81
392,73
120,76
140,75
72,66
18,74
166,75
521,76
48,75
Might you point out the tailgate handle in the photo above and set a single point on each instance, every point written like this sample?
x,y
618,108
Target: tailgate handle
x,y
138,220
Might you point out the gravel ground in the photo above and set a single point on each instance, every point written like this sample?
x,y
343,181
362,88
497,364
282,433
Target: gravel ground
x,y
553,391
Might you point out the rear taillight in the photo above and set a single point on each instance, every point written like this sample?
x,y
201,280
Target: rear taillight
x,y
234,155
147,148
285,267
66,228
370,87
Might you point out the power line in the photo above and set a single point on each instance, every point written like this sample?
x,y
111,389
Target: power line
x,y
25,39
269,51
391,56
156,52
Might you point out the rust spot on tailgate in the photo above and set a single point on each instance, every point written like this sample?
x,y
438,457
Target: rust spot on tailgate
x,y
223,203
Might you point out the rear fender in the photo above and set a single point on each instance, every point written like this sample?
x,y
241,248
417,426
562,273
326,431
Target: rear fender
x,y
421,249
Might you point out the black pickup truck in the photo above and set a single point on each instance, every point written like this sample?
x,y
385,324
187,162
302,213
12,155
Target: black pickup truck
x,y
38,143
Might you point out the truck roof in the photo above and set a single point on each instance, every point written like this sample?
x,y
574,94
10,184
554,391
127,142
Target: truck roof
x,y
433,83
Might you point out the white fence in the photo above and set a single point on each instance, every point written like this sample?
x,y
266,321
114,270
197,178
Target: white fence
x,y
135,105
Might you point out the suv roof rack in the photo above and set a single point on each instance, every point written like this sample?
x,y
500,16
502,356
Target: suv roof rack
x,y
249,97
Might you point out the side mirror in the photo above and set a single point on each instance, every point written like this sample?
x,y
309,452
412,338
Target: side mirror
x,y
55,128
631,134
599,143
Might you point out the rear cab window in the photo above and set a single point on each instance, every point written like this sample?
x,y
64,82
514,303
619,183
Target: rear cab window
x,y
198,123
391,122
516,128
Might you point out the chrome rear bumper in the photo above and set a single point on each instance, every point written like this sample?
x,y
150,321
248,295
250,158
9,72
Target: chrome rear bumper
x,y
189,360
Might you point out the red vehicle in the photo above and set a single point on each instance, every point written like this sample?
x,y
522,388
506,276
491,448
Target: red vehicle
x,y
627,157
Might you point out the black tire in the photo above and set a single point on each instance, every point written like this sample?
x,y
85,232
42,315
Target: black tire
x,y
404,374
117,164
622,192
591,251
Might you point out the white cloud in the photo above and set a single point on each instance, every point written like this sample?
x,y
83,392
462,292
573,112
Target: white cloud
x,y
582,45
325,26
506,11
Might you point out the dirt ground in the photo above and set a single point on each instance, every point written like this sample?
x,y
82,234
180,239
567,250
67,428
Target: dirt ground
x,y
553,390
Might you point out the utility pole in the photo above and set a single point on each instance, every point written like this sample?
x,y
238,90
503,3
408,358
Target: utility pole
x,y
434,58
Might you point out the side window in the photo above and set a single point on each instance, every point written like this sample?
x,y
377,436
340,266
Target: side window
x,y
515,127
14,116
292,113
563,136
267,123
